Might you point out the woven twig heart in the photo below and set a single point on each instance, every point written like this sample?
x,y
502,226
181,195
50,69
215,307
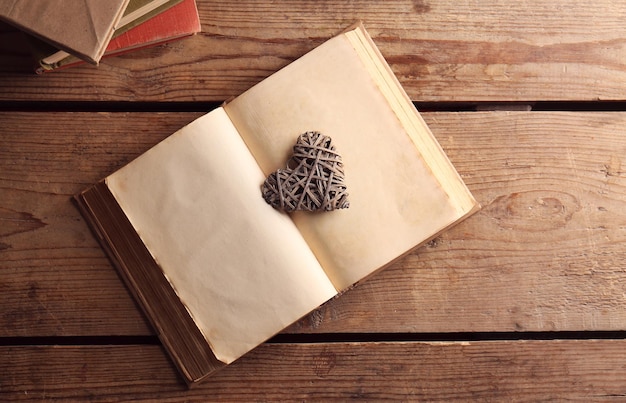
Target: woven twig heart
x,y
313,179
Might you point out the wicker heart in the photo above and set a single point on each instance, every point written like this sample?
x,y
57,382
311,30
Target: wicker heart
x,y
313,179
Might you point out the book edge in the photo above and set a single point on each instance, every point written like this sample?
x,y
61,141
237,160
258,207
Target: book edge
x,y
144,16
90,203
412,120
102,45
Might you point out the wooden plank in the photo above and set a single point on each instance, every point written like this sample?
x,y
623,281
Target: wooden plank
x,y
442,51
507,371
55,278
546,253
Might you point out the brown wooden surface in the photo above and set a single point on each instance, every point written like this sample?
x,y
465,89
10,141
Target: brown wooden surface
x,y
441,51
587,370
546,254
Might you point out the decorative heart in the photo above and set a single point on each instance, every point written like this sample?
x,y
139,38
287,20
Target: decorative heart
x,y
313,179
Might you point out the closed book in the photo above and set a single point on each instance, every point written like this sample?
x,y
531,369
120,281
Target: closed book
x,y
177,21
80,27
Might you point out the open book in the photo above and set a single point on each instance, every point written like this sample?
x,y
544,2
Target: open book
x,y
218,270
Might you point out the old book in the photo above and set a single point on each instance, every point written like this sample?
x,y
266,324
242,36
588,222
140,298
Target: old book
x,y
80,27
174,20
137,12
217,269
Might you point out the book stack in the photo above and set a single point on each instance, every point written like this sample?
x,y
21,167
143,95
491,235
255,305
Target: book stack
x,y
65,33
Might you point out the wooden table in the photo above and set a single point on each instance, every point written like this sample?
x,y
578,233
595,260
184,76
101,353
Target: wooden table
x,y
526,300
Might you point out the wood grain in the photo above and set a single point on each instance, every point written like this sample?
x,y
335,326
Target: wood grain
x,y
440,50
545,253
52,269
475,371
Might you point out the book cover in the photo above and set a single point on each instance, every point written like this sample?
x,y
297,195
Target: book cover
x,y
176,21
216,268
80,27
139,11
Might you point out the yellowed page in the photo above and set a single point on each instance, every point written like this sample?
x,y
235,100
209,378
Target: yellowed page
x,y
395,201
401,104
242,269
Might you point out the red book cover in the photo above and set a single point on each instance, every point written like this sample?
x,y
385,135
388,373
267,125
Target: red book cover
x,y
176,22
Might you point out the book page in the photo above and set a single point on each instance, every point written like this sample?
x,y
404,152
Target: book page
x,y
242,269
396,202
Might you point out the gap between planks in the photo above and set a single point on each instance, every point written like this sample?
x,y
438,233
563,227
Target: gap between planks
x,y
321,338
115,106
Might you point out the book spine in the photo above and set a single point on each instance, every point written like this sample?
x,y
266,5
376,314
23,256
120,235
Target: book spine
x,y
145,280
